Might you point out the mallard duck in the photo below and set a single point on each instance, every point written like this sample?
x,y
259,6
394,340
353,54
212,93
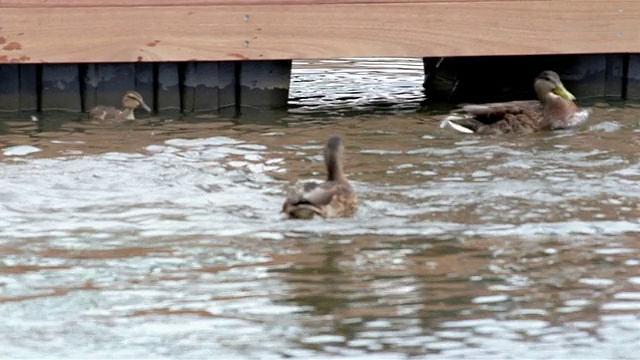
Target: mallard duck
x,y
333,198
554,109
130,101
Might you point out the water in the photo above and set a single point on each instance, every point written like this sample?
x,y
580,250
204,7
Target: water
x,y
163,239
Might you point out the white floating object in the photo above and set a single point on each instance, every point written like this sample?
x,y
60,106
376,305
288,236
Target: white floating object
x,y
448,123
20,150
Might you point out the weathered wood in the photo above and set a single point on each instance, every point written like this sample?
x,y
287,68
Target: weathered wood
x,y
265,84
296,31
95,3
60,87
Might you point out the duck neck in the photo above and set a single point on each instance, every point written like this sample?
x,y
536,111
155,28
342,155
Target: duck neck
x,y
334,167
128,114
558,108
542,93
560,113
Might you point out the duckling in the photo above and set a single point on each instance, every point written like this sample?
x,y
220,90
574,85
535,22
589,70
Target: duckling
x,y
333,198
130,101
554,109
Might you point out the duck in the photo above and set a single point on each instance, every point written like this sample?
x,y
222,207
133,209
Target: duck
x,y
130,101
554,109
332,199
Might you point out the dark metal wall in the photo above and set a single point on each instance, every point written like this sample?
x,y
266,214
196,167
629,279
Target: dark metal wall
x,y
500,78
187,87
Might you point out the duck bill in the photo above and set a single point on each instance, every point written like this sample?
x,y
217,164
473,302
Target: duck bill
x,y
145,106
561,91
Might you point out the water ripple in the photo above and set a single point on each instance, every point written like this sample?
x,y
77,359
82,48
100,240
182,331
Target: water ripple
x,y
165,241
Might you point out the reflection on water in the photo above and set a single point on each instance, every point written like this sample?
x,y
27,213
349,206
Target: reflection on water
x,y
352,86
162,238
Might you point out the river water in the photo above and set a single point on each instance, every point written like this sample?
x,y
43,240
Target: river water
x,y
162,239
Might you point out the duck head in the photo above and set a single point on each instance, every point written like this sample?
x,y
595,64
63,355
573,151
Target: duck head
x,y
548,84
133,100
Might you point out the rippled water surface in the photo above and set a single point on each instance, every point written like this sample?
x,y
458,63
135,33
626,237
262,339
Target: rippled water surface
x,y
162,239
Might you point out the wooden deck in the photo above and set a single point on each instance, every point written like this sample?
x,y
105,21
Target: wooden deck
x,y
185,54
78,31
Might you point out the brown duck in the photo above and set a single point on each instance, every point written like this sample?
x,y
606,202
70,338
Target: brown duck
x,y
333,198
554,109
130,101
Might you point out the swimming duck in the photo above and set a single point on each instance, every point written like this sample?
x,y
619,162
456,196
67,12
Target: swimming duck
x,y
130,101
333,198
554,109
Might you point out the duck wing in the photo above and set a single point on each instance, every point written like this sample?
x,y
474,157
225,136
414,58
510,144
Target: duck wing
x,y
102,112
322,195
313,199
494,112
314,194
496,118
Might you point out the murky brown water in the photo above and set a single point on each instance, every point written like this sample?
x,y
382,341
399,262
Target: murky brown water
x,y
162,239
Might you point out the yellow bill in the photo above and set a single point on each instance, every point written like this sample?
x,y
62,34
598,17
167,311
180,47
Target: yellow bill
x,y
561,91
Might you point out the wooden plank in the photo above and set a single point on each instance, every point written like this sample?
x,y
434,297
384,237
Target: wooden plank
x,y
261,32
129,3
